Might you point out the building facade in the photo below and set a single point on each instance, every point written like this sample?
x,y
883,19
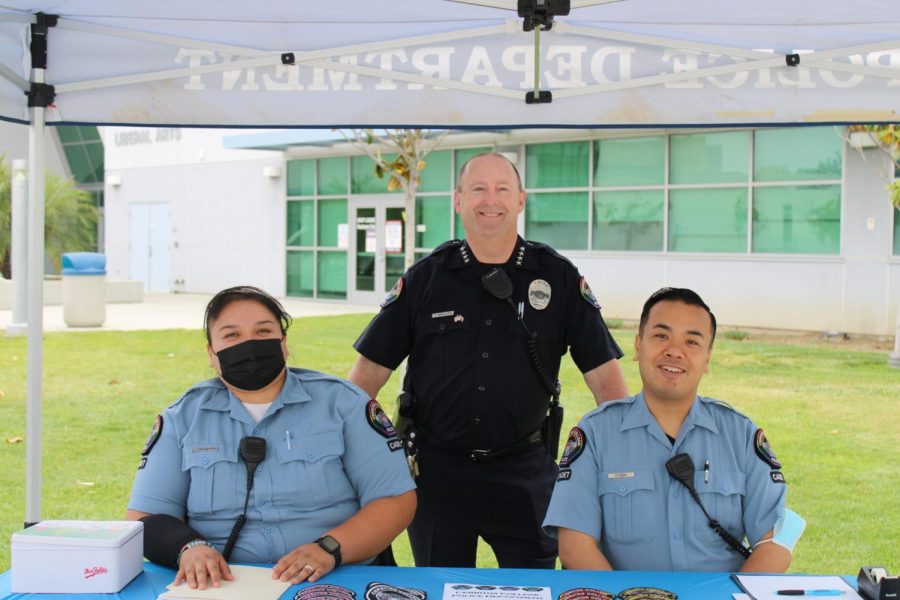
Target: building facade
x,y
784,227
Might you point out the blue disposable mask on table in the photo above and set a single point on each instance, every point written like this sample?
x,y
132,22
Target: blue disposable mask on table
x,y
251,365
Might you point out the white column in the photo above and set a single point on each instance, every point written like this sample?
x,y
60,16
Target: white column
x,y
19,248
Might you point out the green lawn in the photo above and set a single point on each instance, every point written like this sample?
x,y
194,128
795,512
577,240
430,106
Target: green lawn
x,y
829,412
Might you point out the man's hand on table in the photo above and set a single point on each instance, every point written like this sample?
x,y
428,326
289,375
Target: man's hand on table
x,y
308,562
202,565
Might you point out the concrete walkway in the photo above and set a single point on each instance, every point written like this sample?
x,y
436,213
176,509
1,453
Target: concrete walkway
x,y
178,311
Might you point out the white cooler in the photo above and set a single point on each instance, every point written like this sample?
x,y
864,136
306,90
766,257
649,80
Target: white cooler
x,y
77,557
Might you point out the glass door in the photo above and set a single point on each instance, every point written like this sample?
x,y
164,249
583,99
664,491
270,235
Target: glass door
x,y
376,247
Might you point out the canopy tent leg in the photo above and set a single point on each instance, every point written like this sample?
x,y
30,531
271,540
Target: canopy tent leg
x,y
39,97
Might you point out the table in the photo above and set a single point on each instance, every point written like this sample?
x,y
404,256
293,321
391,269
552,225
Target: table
x,y
689,586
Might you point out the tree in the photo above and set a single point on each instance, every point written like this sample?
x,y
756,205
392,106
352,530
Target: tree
x,y
400,155
70,218
887,138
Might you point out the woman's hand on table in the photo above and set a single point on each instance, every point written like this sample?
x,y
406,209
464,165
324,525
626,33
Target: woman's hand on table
x,y
201,566
308,562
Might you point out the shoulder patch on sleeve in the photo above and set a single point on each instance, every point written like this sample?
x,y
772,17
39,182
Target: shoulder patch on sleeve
x,y
764,450
393,294
379,421
587,294
154,435
574,447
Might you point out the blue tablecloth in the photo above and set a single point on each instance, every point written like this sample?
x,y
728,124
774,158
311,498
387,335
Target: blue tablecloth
x,y
689,586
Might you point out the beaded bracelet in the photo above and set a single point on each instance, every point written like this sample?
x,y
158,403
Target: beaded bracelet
x,y
192,544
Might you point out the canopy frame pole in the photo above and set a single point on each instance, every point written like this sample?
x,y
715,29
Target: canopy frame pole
x,y
40,96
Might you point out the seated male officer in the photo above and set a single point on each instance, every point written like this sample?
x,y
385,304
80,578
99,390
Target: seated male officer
x,y
617,506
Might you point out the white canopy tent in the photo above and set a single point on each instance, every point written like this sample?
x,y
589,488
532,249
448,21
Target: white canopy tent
x,y
428,63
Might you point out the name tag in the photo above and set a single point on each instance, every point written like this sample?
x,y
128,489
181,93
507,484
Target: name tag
x,y
205,449
446,313
624,475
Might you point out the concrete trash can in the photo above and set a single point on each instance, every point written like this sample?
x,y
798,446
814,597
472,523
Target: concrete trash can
x,y
84,289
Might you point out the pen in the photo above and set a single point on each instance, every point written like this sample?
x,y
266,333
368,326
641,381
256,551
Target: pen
x,y
521,310
287,438
706,472
809,592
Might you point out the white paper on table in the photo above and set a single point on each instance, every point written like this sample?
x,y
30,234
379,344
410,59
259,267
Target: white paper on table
x,y
765,587
472,591
249,582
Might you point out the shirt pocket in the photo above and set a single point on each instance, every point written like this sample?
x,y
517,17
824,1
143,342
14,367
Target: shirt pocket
x,y
214,479
628,508
722,496
310,471
446,325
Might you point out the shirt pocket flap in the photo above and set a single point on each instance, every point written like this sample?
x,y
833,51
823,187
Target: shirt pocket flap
x,y
312,448
624,483
725,483
446,324
207,456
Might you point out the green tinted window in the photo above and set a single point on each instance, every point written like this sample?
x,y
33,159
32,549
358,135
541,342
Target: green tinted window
x,y
332,175
365,181
464,155
300,273
630,161
708,220
709,157
332,275
436,176
557,165
797,153
797,219
300,177
332,215
558,219
459,232
432,221
628,220
300,223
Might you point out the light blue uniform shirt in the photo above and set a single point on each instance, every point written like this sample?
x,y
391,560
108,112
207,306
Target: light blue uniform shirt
x,y
324,460
617,490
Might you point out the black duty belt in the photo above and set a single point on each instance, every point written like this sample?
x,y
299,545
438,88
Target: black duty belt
x,y
480,454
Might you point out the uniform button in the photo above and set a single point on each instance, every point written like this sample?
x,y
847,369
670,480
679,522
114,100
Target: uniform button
x,y
676,493
268,530
205,461
310,455
621,488
477,421
677,535
262,468
488,322
724,487
442,327
484,355
480,388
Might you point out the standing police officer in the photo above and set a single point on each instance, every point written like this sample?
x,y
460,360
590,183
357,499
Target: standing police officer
x,y
479,402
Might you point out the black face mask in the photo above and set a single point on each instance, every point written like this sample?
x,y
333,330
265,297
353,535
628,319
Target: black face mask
x,y
251,365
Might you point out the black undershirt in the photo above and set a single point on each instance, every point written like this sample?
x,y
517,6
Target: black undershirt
x,y
671,439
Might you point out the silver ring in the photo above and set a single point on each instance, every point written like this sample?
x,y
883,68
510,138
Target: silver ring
x,y
309,567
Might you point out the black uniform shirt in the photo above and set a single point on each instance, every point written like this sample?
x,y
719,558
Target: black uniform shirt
x,y
469,368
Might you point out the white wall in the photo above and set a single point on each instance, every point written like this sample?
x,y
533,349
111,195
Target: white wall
x,y
227,216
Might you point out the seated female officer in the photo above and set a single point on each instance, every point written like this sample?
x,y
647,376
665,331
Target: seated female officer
x,y
305,461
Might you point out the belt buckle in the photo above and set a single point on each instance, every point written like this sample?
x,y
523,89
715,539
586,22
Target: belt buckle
x,y
478,453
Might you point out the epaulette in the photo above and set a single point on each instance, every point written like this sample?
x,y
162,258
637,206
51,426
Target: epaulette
x,y
628,400
722,404
311,375
213,382
446,245
549,250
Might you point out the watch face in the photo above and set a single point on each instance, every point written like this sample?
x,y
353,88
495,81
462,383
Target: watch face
x,y
329,544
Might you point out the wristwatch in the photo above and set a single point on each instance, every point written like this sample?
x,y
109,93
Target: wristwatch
x,y
332,547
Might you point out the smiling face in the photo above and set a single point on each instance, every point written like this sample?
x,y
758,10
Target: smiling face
x,y
673,351
488,199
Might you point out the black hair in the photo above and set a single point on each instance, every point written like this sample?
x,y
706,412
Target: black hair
x,y
670,294
244,292
465,166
